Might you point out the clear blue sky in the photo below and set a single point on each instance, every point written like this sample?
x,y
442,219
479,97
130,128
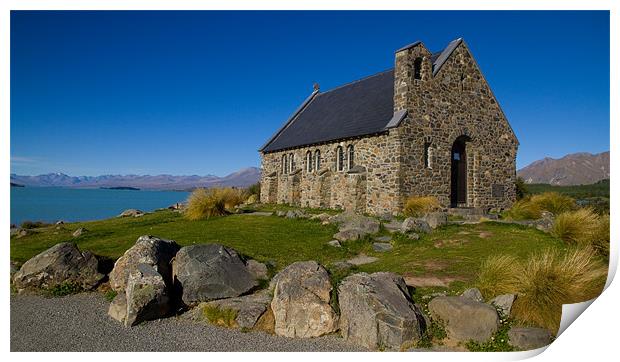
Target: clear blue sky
x,y
199,92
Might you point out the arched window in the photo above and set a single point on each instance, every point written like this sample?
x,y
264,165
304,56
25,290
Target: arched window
x,y
291,159
427,155
309,161
339,158
350,157
317,159
284,164
417,68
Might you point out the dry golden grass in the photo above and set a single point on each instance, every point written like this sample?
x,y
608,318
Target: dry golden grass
x,y
600,239
417,206
232,197
205,203
524,210
544,282
553,202
576,227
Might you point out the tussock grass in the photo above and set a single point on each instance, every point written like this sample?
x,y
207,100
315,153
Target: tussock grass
x,y
576,227
600,239
524,210
553,202
417,206
544,282
498,275
205,203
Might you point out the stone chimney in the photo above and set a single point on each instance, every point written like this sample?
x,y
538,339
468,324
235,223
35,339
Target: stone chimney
x,y
411,69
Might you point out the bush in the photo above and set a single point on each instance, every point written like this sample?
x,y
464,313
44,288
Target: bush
x,y
204,203
65,288
553,202
254,189
521,187
544,282
33,224
417,206
550,280
576,227
498,275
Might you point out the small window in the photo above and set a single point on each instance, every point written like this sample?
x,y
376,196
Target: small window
x,y
317,159
284,164
309,161
417,68
350,156
291,160
427,155
339,158
456,156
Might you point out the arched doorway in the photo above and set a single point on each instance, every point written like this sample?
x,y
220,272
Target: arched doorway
x,y
458,168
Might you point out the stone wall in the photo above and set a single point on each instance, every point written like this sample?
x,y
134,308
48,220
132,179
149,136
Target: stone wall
x,y
456,102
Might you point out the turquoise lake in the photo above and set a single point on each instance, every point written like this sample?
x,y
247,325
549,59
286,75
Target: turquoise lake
x,y
51,204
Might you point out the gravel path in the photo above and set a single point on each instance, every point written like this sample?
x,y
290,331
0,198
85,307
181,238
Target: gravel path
x,y
80,323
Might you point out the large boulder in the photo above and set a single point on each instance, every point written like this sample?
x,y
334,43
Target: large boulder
x,y
131,213
465,319
207,272
301,299
529,338
376,311
473,294
503,303
248,308
62,263
416,225
436,219
148,250
363,225
145,298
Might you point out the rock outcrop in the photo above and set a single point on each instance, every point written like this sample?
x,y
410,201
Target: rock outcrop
x,y
353,226
415,225
148,250
377,312
301,301
62,263
248,308
465,319
207,272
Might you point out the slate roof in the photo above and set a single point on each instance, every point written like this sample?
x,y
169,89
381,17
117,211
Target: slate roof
x,y
359,108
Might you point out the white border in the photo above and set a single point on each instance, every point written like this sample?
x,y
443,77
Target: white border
x,y
592,337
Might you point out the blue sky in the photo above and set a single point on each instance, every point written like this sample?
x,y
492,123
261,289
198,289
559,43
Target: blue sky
x,y
199,92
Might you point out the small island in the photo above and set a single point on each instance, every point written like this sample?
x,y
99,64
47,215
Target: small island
x,y
120,188
16,185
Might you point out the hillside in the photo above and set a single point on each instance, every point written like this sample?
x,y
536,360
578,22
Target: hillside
x,y
573,169
241,178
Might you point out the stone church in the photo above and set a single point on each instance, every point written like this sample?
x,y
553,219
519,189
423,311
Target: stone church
x,y
429,126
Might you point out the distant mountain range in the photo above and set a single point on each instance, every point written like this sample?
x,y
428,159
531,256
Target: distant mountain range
x,y
241,178
574,169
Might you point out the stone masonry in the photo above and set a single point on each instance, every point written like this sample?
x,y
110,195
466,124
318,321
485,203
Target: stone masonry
x,y
448,108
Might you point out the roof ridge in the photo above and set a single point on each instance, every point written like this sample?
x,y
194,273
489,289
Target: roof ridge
x,y
357,81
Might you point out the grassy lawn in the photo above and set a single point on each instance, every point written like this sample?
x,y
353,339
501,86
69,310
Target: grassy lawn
x,y
454,251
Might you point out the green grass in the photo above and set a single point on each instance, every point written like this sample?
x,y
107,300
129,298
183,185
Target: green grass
x,y
453,251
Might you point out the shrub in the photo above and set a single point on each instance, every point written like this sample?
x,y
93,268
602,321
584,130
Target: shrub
x,y
498,275
204,203
553,202
220,316
521,187
419,205
254,189
65,288
524,210
33,224
576,227
550,280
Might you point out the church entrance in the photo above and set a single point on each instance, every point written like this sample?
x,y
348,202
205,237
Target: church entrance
x,y
458,182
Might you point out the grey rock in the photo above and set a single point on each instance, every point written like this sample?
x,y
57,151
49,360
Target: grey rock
x,y
464,318
257,269
280,213
393,226
334,243
348,235
294,214
62,263
131,213
413,236
149,250
382,247
529,338
361,260
20,233
59,222
350,221
473,294
415,225
383,239
377,312
341,265
249,308
503,303
79,232
146,295
301,299
118,308
321,217
436,219
206,272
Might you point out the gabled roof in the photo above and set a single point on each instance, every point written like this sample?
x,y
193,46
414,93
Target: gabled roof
x,y
359,108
